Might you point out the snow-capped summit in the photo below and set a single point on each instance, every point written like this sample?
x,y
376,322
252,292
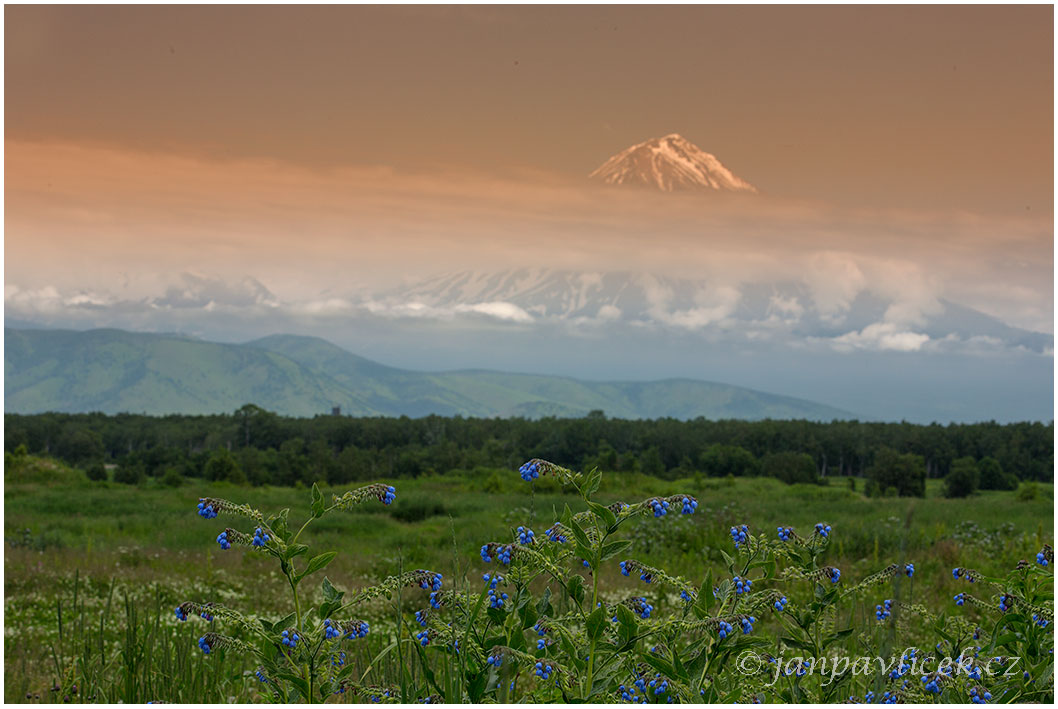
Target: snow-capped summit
x,y
670,163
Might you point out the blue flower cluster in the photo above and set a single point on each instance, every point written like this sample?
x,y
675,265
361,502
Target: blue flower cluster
x,y
822,529
553,534
496,600
222,539
377,699
260,676
960,598
423,637
290,639
529,471
686,597
1006,602
181,614
931,683
883,611
205,645
659,684
388,496
724,629
205,509
205,615
689,505
1040,620
431,581
660,507
1041,558
624,568
747,624
641,608
630,694
421,616
979,695
330,630
785,533
959,572
525,536
835,574
502,552
493,580
909,570
338,660
740,535
742,585
780,605
544,671
435,599
260,538
357,629
495,660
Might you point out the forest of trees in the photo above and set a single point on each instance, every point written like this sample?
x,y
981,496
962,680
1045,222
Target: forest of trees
x,y
258,447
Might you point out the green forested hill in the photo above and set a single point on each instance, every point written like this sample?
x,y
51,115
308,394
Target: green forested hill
x,y
114,371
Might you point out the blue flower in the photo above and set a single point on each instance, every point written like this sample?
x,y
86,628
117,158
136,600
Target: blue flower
x,y
338,660
956,572
959,598
979,696
541,643
660,507
822,529
585,563
785,533
835,574
356,629
689,505
205,645
909,570
421,616
553,534
525,536
740,535
742,585
330,630
1006,602
1041,559
430,580
780,605
495,660
624,568
687,597
882,612
260,538
1040,621
544,671
435,599
724,629
496,600
290,639
747,625
931,684
641,608
529,471
222,539
389,495
423,637
205,509
260,676
181,614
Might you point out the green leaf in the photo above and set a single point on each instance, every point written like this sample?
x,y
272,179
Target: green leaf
x,y
596,623
612,549
266,626
317,501
591,484
575,588
578,533
628,625
330,593
318,562
294,550
543,606
605,514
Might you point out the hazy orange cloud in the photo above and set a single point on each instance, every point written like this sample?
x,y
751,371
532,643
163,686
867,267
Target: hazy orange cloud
x,y
83,216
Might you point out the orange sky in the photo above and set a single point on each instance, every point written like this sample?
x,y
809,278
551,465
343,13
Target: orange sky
x,y
926,107
327,149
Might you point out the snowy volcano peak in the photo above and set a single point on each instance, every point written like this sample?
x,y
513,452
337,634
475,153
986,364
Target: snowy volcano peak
x,y
670,163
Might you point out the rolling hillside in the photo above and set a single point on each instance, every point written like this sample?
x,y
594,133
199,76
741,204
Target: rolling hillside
x,y
117,371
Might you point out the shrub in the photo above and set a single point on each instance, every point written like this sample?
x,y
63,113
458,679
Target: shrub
x,y
172,478
790,467
993,477
906,473
1028,492
97,472
129,472
962,480
720,460
223,466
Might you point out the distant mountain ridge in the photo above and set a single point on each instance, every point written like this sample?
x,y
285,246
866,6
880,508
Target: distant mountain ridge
x,y
115,371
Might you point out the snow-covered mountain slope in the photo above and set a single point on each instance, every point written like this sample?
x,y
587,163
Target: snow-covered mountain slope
x,y
670,163
753,310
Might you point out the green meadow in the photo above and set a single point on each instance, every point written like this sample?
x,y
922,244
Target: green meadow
x,y
94,570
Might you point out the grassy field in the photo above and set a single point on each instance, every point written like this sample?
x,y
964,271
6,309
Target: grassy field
x,y
93,570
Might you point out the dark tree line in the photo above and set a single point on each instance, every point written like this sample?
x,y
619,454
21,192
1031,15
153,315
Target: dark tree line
x,y
259,447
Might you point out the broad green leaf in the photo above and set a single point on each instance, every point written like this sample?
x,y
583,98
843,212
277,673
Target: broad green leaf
x,y
596,623
317,501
